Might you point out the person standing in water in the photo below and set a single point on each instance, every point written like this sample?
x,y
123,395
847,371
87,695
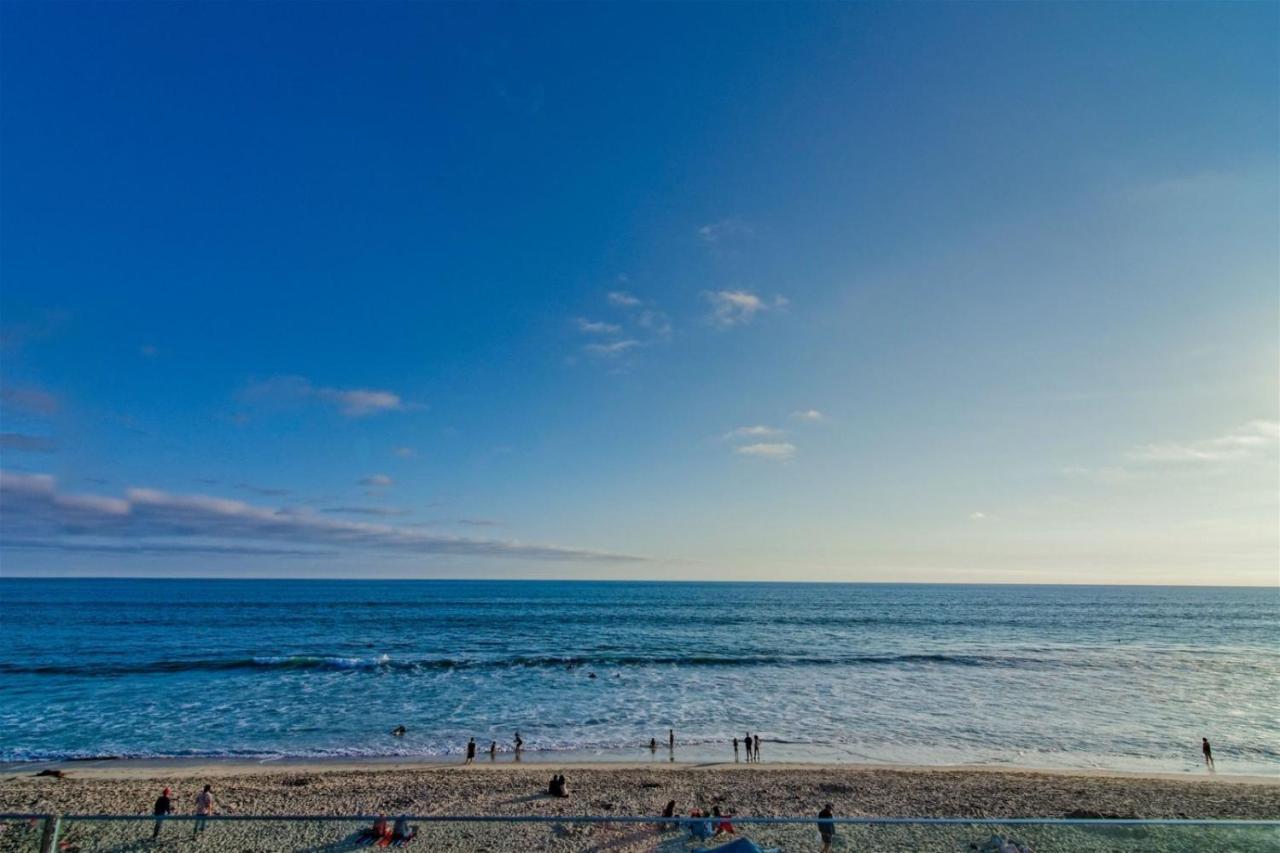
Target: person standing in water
x,y
205,805
746,741
757,747
671,738
519,745
1208,754
164,806
653,744
493,751
471,751
735,750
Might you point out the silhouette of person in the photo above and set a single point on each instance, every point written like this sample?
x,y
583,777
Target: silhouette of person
x,y
1208,754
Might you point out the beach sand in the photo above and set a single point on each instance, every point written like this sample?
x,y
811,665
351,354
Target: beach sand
x,y
760,790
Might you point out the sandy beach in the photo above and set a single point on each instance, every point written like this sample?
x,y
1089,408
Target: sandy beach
x,y
611,790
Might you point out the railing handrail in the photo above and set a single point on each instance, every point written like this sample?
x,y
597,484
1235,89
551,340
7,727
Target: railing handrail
x,y
684,819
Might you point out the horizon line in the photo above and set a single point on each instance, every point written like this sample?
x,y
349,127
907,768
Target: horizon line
x,y
633,580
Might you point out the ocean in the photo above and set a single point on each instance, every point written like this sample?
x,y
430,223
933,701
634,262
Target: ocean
x,y
1123,678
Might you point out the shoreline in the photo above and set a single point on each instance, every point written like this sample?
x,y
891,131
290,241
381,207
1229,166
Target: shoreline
x,y
128,769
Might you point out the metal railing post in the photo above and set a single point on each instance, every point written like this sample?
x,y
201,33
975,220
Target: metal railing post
x,y
49,835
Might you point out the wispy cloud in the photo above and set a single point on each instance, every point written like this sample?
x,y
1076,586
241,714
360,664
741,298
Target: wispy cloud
x,y
406,453
717,232
380,481
738,307
37,514
1249,440
35,401
978,516
594,327
623,299
779,451
758,431
351,402
812,416
387,511
27,443
478,522
264,491
611,350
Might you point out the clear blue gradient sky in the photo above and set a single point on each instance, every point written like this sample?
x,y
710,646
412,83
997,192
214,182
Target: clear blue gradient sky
x,y
953,292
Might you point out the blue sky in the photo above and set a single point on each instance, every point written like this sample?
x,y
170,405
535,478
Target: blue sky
x,y
832,292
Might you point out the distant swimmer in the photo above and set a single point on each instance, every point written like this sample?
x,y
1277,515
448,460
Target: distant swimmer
x,y
399,731
471,751
1208,754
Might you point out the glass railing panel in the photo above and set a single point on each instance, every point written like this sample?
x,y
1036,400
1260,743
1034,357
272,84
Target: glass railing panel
x,y
21,833
329,835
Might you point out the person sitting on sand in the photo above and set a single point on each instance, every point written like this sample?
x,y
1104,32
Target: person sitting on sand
x,y
826,828
402,830
378,831
558,787
723,826
701,830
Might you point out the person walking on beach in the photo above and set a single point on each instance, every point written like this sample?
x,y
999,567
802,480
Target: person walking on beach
x,y
164,806
757,747
735,750
826,828
471,752
205,805
1208,754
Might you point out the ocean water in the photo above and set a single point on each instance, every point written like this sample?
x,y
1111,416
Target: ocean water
x,y
1111,677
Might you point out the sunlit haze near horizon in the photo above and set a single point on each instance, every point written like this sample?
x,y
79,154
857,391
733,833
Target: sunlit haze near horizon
x,y
842,292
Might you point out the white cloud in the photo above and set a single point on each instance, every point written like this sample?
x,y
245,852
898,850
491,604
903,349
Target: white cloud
x,y
812,416
151,521
623,299
737,307
351,402
610,350
655,322
978,516
1247,441
758,431
377,480
717,232
768,450
592,327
